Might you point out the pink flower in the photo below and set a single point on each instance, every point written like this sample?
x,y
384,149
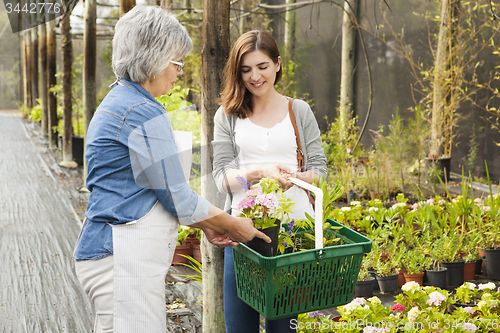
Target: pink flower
x,y
470,327
267,200
398,307
469,310
253,192
248,202
436,298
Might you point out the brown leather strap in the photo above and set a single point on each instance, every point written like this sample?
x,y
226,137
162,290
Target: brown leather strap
x,y
300,154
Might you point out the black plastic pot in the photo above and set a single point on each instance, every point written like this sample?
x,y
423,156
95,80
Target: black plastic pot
x,y
263,248
454,274
77,143
388,284
479,267
375,284
443,165
364,288
493,263
437,278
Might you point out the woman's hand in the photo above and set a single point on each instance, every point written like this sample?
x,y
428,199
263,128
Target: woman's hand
x,y
242,230
278,171
219,239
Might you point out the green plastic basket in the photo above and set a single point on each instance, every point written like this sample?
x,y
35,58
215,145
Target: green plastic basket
x,y
303,281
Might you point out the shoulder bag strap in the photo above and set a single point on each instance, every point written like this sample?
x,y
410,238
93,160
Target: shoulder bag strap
x,y
300,154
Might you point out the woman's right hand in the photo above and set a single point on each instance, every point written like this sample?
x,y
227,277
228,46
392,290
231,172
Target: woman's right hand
x,y
278,171
242,230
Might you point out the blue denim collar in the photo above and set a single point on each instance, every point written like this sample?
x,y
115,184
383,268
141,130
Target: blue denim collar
x,y
136,86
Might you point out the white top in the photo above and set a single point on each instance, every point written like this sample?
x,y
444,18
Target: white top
x,y
259,146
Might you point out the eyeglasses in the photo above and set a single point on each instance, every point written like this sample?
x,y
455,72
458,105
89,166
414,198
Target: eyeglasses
x,y
180,65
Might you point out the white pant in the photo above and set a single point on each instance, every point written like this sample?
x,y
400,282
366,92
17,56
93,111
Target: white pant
x,y
127,289
96,277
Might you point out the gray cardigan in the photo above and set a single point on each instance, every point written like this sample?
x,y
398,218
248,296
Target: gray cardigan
x,y
225,149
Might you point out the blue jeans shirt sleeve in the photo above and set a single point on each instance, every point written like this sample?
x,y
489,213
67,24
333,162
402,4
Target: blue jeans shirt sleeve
x,y
155,165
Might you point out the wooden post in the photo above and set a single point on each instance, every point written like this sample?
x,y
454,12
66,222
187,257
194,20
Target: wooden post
x,y
288,45
125,6
34,65
42,44
347,74
24,65
214,53
52,81
89,69
67,61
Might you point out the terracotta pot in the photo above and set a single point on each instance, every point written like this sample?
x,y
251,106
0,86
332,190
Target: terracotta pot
x,y
481,251
401,278
418,278
186,250
197,253
192,241
469,271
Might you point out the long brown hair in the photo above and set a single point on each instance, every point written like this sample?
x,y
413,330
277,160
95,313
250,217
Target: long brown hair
x,y
235,97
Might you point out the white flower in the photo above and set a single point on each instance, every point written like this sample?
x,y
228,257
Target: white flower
x,y
355,203
470,327
493,303
345,209
489,285
374,300
399,204
373,209
441,202
413,314
481,304
436,298
470,285
430,202
410,286
359,301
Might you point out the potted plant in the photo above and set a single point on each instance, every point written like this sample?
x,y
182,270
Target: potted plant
x,y
182,249
266,206
435,273
364,284
387,269
451,242
415,263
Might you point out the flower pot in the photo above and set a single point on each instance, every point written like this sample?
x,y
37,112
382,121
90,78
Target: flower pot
x,y
186,250
197,252
364,288
493,263
388,284
263,248
443,165
78,148
479,267
418,278
401,278
437,278
454,274
375,284
192,241
469,271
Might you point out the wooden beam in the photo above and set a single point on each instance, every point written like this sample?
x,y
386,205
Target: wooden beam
x,y
89,69
42,50
52,81
215,50
67,62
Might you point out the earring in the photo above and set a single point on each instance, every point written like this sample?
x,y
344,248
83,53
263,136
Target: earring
x,y
154,77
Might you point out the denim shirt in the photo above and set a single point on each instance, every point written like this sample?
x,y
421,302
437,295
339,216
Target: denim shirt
x,y
132,162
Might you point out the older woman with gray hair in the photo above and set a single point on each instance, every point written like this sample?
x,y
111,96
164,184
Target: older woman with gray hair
x,y
139,194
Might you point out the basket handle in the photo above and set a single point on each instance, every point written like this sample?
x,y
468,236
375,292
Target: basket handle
x,y
318,212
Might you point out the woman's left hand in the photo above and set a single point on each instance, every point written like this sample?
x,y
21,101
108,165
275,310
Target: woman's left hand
x,y
219,239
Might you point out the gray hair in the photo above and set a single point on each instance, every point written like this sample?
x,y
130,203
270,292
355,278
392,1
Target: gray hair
x,y
146,39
